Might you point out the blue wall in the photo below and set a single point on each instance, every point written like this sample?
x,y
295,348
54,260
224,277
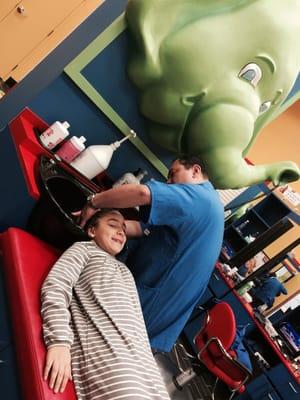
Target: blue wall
x,y
63,100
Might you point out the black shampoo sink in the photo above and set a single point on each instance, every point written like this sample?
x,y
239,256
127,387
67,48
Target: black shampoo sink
x,y
61,194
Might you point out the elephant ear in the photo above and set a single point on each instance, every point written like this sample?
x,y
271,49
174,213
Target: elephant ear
x,y
268,117
151,21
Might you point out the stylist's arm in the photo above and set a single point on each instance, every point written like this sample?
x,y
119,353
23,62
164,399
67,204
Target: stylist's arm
x,y
124,196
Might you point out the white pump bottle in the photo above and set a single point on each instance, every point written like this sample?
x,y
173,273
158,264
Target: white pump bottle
x,y
95,159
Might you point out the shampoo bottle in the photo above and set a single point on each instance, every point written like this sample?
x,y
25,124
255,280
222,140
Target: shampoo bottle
x,y
71,149
95,159
54,134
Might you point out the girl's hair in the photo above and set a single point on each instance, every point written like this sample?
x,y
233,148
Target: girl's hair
x,y
97,216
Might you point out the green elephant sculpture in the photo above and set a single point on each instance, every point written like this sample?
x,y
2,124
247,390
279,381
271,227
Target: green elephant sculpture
x,y
211,74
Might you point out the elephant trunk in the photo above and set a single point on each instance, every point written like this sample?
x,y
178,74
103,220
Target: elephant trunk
x,y
242,174
219,134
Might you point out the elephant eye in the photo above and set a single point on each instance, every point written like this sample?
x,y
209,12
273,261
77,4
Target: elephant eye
x,y
264,107
251,73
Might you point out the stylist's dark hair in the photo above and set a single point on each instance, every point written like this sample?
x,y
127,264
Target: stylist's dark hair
x,y
98,215
189,160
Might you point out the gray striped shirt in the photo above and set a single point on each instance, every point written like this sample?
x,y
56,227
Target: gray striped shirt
x,y
90,302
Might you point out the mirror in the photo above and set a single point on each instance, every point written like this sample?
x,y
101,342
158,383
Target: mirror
x,y
270,282
285,318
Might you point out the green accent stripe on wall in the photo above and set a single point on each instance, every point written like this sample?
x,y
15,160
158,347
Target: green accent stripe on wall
x,y
73,70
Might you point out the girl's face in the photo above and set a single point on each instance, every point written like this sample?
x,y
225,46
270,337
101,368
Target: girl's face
x,y
109,233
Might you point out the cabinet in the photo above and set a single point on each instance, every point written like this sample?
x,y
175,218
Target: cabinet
x,y
217,285
31,29
284,383
260,226
261,389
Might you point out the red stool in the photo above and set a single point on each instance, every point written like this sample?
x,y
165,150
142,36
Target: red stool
x,y
214,342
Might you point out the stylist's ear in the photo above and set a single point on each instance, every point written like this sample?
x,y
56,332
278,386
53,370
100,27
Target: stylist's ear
x,y
196,171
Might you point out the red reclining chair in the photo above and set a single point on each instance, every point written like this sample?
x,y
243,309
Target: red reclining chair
x,y
214,343
27,261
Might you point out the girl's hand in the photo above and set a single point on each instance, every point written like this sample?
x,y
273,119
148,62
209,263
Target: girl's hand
x,y
58,367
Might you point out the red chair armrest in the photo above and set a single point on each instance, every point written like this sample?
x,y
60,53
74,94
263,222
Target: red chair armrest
x,y
27,261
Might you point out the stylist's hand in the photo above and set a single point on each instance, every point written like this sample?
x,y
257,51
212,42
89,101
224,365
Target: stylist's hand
x,y
84,215
58,368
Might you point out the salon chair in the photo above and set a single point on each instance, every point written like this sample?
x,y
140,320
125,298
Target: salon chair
x,y
214,342
26,263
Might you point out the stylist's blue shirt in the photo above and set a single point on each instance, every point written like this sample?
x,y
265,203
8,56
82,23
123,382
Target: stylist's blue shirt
x,y
173,264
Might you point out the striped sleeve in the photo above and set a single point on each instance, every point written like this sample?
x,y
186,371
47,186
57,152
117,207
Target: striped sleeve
x,y
56,295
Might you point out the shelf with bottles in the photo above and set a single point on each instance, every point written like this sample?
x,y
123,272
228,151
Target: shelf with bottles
x,y
233,241
24,128
241,233
251,225
266,221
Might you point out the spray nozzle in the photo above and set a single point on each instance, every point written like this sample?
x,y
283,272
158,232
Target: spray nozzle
x,y
117,144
